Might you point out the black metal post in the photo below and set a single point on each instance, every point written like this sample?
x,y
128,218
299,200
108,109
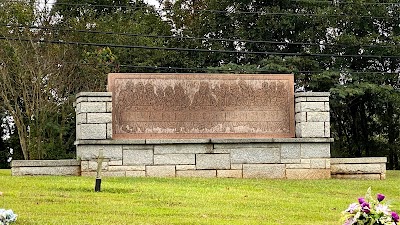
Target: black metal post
x,y
97,187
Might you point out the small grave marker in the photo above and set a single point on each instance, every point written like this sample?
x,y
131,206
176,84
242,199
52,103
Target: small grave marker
x,y
100,159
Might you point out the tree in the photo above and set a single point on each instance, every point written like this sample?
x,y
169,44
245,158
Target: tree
x,y
339,48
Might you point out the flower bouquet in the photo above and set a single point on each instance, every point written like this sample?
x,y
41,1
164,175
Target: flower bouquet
x,y
7,216
370,211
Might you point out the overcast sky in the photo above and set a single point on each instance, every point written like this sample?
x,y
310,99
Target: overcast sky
x,y
152,2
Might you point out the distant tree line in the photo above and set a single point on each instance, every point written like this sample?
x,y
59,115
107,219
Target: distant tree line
x,y
49,54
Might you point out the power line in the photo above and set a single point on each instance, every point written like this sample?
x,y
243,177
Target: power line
x,y
215,69
194,38
196,50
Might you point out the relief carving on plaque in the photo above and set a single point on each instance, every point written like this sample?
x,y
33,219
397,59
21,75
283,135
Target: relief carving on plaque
x,y
199,106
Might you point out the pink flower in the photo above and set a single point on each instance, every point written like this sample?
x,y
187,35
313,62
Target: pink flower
x,y
380,197
361,200
350,221
395,217
352,207
365,207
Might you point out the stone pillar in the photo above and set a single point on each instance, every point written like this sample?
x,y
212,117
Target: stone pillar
x,y
93,116
312,114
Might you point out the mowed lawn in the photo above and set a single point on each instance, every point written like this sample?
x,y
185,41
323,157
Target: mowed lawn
x,y
71,200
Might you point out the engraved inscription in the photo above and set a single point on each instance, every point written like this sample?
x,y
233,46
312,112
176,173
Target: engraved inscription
x,y
202,106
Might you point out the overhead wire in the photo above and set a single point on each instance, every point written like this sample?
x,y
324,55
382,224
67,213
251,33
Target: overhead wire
x,y
193,38
215,69
197,49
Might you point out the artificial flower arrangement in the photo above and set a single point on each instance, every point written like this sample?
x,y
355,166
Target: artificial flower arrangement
x,y
7,216
370,211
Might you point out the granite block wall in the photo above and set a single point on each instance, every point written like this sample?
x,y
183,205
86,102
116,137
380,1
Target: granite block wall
x,y
307,156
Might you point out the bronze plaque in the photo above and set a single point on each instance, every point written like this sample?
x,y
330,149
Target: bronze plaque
x,y
172,106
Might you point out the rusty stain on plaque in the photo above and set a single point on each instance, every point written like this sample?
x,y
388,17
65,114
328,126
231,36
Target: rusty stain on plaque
x,y
159,106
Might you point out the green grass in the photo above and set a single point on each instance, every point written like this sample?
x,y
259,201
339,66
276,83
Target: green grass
x,y
71,200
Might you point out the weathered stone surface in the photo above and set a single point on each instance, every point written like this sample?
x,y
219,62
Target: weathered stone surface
x,y
246,145
328,163
46,163
308,173
109,131
93,94
110,142
88,174
269,171
310,129
300,99
312,94
290,161
126,168
138,157
298,166
99,117
290,151
221,151
315,150
113,174
297,108
213,161
356,168
317,99
185,167
327,129
85,165
135,173
90,152
197,173
318,163
44,170
93,131
93,107
358,176
255,155
301,117
138,147
327,108
99,99
201,106
318,117
93,165
174,159
160,171
178,141
264,142
363,160
236,166
109,107
311,106
229,173
182,149
81,99
81,118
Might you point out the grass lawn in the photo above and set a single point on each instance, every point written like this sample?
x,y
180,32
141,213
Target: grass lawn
x,y
71,200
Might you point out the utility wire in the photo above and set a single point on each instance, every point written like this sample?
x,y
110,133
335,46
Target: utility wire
x,y
223,70
194,38
196,50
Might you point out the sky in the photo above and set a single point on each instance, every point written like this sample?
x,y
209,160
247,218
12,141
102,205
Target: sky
x,y
152,2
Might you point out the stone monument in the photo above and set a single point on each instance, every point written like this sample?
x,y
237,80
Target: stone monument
x,y
160,106
204,125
